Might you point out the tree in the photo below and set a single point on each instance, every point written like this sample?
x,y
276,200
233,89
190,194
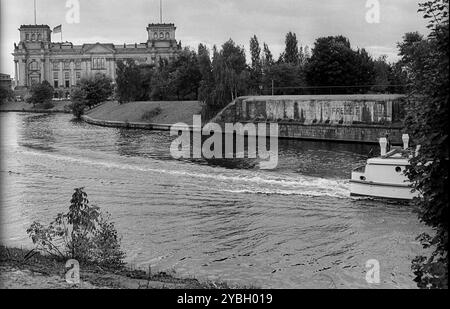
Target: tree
x,y
382,73
79,102
414,51
146,75
83,233
206,86
303,56
291,52
256,65
398,80
41,93
230,75
427,64
204,62
285,75
389,77
6,94
268,58
160,82
128,80
185,75
365,70
97,89
335,63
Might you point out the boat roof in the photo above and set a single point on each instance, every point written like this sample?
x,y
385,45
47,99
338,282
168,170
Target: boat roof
x,y
396,156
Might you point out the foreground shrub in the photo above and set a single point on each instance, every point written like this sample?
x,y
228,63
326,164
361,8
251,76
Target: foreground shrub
x,y
84,234
427,62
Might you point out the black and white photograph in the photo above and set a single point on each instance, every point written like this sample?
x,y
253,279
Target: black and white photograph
x,y
244,146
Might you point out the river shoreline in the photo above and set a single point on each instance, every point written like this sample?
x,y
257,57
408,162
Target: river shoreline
x,y
21,268
211,220
60,107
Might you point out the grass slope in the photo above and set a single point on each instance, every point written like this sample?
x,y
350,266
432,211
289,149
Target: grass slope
x,y
171,112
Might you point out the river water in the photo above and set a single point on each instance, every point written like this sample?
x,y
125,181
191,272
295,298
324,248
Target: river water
x,y
292,227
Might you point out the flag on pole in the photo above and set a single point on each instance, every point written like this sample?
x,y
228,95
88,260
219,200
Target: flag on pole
x,y
57,29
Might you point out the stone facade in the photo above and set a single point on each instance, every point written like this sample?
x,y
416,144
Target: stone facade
x,y
336,109
63,64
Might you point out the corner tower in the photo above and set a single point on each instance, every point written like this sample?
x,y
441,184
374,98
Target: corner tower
x,y
162,35
31,54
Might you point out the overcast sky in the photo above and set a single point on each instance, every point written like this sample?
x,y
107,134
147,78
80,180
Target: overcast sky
x,y
215,21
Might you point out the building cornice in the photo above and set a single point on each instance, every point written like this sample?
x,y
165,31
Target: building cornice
x,y
34,26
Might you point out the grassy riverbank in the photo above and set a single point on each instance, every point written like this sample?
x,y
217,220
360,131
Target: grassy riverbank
x,y
20,268
58,107
170,112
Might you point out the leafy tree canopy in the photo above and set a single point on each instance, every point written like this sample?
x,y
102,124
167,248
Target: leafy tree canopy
x,y
41,93
426,61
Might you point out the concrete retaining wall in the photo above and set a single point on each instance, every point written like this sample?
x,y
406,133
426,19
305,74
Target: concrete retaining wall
x,y
349,118
133,125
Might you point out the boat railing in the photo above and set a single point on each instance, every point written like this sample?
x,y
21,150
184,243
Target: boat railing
x,y
360,169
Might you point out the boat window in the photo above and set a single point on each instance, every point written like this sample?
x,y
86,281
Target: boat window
x,y
398,169
362,178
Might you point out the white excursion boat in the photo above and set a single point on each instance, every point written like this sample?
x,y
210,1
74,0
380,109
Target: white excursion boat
x,y
384,177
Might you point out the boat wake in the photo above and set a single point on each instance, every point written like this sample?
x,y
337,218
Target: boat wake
x,y
222,179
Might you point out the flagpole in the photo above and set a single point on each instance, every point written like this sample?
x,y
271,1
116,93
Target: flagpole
x,y
35,12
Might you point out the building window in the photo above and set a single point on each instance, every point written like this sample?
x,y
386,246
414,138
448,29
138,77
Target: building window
x,y
55,79
27,37
55,65
34,65
98,63
39,36
33,37
167,35
66,65
78,65
161,35
67,79
78,76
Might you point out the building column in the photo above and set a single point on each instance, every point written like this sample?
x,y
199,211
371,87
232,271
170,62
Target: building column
x,y
61,74
16,76
23,72
72,74
112,68
42,78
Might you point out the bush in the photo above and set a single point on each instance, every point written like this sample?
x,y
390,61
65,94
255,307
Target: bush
x,y
6,94
78,97
84,234
427,120
46,105
97,89
40,93
106,250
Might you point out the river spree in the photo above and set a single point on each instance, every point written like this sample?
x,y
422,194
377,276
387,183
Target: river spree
x,y
292,227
